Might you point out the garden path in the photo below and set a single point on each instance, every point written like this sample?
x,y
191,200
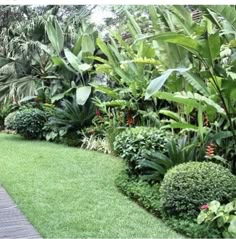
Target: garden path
x,y
13,223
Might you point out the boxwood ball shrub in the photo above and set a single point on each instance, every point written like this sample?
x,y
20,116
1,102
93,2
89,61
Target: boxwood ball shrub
x,y
131,143
186,187
30,122
9,122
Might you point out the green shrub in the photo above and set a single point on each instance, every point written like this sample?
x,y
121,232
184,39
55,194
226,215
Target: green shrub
x,y
9,121
186,187
30,122
143,193
131,143
148,196
111,136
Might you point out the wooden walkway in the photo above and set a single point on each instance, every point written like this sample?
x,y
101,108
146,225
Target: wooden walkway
x,y
13,223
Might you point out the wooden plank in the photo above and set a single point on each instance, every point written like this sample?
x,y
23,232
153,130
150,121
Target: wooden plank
x,y
13,224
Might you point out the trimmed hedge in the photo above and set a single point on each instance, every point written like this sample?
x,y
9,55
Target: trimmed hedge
x,y
186,187
140,191
149,197
30,122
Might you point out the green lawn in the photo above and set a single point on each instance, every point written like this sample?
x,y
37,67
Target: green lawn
x,y
68,192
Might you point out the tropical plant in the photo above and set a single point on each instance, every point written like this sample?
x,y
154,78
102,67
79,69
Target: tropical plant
x,y
70,117
28,64
128,69
154,165
220,216
207,48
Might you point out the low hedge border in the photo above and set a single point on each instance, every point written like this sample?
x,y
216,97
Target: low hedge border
x,y
148,197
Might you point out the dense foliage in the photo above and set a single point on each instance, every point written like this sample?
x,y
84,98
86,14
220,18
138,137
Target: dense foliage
x,y
146,195
154,85
30,122
186,187
131,143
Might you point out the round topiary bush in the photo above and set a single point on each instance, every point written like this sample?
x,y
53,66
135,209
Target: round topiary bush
x,y
131,143
9,122
186,187
29,123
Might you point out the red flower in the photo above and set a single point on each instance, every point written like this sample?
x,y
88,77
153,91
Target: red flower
x,y
204,207
210,150
98,113
129,119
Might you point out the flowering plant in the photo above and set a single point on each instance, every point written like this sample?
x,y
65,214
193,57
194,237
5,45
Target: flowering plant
x,y
220,216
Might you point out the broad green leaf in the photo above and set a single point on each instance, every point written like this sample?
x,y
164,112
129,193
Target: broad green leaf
x,y
175,38
55,36
46,48
72,59
180,125
57,61
104,48
84,67
158,82
77,45
210,48
196,82
201,217
214,45
82,94
60,36
200,123
202,99
232,227
172,115
87,44
27,98
178,98
214,206
108,91
225,11
222,135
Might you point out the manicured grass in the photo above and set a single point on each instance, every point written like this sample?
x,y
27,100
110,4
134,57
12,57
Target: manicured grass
x,y
68,192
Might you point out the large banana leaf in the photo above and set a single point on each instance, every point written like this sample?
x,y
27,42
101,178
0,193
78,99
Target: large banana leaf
x,y
156,84
191,99
196,82
55,35
175,38
226,11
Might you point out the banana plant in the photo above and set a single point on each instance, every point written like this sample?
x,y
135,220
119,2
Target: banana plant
x,y
205,49
128,69
72,63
